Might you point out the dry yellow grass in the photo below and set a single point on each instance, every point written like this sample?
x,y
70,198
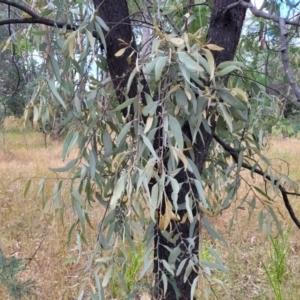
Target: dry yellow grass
x,y
23,228
248,248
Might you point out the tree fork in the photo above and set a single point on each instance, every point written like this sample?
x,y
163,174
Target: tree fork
x,y
224,30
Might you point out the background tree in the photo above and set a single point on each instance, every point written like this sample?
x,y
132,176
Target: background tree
x,y
263,43
18,67
158,160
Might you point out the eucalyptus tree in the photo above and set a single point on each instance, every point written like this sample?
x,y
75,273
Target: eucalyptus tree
x,y
263,43
163,137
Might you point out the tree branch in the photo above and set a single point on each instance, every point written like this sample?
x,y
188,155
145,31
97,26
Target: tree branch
x,y
282,24
21,7
285,58
178,31
35,18
261,14
231,6
234,154
13,57
39,20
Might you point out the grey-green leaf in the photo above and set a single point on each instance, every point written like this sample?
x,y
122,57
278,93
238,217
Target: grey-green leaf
x,y
176,131
125,104
55,68
92,163
227,70
226,116
167,267
193,287
107,143
214,266
107,276
99,287
118,190
102,23
165,282
200,191
160,64
149,145
225,95
189,63
211,231
150,108
180,267
145,269
55,93
123,133
66,168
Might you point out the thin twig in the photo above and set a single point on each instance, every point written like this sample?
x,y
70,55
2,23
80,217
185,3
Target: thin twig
x,y
178,31
37,248
264,85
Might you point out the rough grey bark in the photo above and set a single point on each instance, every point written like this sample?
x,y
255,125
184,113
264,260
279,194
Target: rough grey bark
x,y
116,16
224,30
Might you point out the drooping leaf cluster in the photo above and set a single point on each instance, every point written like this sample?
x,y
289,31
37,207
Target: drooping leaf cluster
x,y
116,164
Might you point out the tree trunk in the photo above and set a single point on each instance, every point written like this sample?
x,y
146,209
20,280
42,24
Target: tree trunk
x,y
116,16
224,30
